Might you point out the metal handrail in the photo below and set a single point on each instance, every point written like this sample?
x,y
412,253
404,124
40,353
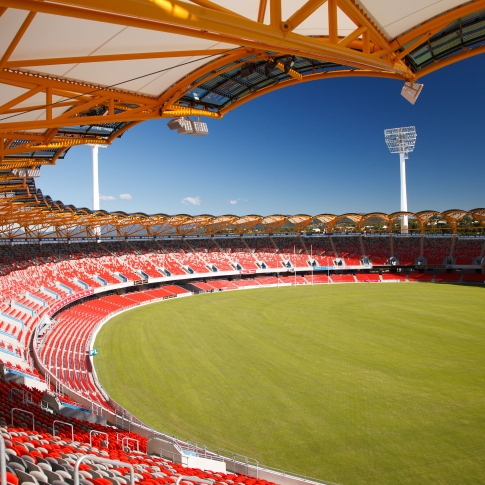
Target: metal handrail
x,y
197,446
98,459
62,422
127,438
3,465
248,462
26,395
24,411
97,432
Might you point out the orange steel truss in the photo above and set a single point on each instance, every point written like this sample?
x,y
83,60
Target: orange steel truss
x,y
47,220
27,145
366,51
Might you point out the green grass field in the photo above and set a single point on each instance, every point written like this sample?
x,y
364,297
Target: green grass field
x,y
354,384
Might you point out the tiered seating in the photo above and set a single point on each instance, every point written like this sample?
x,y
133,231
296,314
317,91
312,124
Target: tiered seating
x,y
406,249
210,254
267,280
223,285
237,252
320,278
473,278
466,250
139,263
161,293
292,250
176,290
265,251
190,259
139,297
435,250
420,277
393,277
343,278
203,286
368,278
378,249
447,277
246,283
158,259
298,280
349,249
322,251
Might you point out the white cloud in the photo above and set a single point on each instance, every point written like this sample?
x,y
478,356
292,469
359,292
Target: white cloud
x,y
126,196
233,202
107,197
191,200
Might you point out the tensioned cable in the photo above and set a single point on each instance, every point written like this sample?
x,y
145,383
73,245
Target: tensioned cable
x,y
118,84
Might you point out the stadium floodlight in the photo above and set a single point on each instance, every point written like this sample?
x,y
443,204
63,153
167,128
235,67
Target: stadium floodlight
x,y
402,141
200,128
411,91
185,126
26,172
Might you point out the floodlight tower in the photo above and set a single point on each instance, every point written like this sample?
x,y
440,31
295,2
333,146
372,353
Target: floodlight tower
x,y
402,141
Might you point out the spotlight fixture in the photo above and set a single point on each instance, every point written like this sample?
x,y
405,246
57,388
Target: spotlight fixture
x,y
411,91
248,69
26,172
195,96
269,66
185,126
289,63
200,128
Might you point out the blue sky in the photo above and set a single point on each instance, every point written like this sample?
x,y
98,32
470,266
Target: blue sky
x,y
312,148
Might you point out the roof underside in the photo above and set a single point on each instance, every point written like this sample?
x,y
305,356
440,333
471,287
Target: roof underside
x,y
84,71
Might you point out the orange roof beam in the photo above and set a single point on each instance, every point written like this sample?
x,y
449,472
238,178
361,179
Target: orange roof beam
x,y
262,10
111,58
18,37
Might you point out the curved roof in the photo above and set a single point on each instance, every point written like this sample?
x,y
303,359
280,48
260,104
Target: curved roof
x,y
84,71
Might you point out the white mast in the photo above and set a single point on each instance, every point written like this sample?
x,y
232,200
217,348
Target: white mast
x,y
94,149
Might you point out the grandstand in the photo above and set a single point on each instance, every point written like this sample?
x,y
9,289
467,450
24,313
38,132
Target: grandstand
x,y
38,294
66,270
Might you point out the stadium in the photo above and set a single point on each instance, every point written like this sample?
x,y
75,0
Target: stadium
x,y
130,350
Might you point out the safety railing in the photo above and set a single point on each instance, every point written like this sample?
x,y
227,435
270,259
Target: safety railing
x,y
241,460
25,395
93,431
126,439
98,459
199,448
64,423
27,412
